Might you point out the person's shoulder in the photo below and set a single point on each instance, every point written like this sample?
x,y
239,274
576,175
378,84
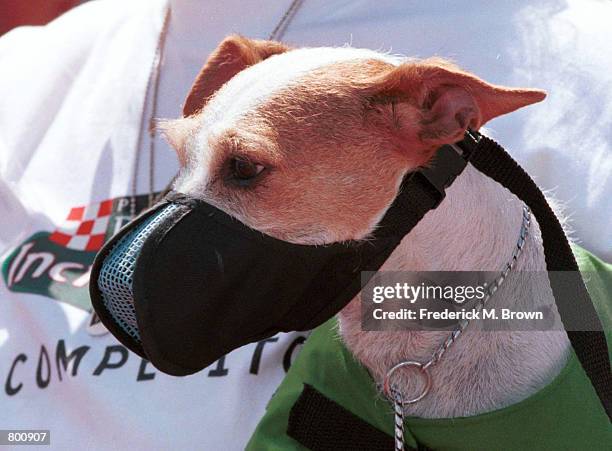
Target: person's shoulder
x,y
43,65
76,31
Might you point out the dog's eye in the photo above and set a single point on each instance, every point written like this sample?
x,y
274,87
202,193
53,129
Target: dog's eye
x,y
244,170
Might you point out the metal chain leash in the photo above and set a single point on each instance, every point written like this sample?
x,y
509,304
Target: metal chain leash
x,y
398,410
394,393
490,291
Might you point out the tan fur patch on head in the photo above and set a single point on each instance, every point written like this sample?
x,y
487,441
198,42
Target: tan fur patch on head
x,y
334,130
330,173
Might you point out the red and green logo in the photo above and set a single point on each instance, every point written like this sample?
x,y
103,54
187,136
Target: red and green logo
x,y
57,264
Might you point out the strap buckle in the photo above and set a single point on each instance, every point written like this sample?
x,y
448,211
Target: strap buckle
x,y
449,162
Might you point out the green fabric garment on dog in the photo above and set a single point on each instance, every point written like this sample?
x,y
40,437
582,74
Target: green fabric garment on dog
x,y
566,414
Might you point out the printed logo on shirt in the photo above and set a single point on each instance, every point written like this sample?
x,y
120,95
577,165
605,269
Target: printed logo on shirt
x,y
57,263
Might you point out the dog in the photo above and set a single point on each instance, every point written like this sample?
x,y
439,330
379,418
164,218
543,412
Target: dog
x,y
310,146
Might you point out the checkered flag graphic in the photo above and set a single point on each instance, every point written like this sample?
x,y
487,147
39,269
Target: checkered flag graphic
x,y
85,227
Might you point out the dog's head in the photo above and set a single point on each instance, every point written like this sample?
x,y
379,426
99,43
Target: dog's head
x,y
310,145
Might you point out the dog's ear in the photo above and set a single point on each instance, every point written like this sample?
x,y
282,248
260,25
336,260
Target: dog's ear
x,y
234,54
434,102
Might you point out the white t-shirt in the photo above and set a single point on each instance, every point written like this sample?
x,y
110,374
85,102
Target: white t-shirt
x,y
71,95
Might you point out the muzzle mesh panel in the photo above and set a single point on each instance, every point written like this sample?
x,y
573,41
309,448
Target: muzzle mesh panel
x,y
116,275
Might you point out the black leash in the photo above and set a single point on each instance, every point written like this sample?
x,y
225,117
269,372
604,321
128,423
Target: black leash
x,y
576,310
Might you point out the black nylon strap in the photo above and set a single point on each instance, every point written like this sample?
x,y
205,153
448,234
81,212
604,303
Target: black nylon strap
x,y
320,424
423,190
568,288
415,199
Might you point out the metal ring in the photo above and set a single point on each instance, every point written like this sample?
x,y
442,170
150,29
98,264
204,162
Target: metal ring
x,y
423,370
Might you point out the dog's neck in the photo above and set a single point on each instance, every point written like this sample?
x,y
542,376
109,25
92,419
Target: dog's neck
x,y
475,229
